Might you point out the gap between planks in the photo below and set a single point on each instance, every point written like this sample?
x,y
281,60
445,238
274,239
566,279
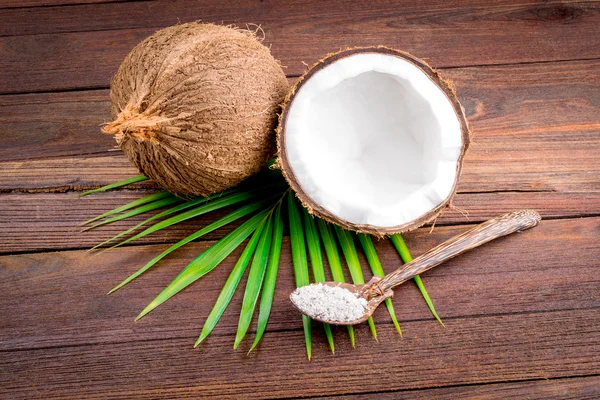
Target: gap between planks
x,y
524,268
555,32
292,77
149,241
49,4
104,3
498,383
27,218
252,330
454,370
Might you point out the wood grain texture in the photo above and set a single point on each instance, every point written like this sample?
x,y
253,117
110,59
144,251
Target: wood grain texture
x,y
521,313
494,228
468,351
535,128
62,174
137,14
587,388
446,36
503,322
531,126
50,221
67,303
38,126
51,3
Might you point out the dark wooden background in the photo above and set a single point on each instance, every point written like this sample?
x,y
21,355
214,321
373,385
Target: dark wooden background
x,y
521,313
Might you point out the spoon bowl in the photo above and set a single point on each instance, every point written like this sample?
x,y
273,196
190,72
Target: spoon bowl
x,y
366,291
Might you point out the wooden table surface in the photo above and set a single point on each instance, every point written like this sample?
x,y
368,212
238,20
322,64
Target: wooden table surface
x,y
521,314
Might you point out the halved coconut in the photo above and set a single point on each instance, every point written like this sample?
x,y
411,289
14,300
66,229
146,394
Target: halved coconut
x,y
373,139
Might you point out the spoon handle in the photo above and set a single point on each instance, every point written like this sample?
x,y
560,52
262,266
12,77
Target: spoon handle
x,y
480,234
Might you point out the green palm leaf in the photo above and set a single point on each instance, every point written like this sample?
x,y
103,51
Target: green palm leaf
x,y
335,262
207,261
146,199
316,260
237,214
264,248
230,285
398,242
266,300
300,262
349,250
115,185
377,269
172,210
255,281
213,205
136,211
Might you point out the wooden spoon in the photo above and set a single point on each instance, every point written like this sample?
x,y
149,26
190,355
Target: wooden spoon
x,y
377,289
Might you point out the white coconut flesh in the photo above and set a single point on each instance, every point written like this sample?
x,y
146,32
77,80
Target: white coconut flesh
x,y
373,140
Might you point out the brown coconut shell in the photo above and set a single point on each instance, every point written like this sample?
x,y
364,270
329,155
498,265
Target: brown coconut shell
x,y
315,208
194,107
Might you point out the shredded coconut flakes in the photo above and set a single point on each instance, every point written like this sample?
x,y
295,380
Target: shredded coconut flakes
x,y
329,303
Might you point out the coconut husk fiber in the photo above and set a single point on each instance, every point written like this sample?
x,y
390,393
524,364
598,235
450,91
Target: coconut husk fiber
x,y
194,107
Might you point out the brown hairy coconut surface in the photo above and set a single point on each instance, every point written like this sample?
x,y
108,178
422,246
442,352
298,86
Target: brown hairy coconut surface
x,y
315,206
194,107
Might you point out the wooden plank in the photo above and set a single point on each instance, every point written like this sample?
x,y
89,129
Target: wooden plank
x,y
552,267
522,308
495,166
65,173
38,63
38,222
35,21
54,124
446,36
535,127
468,351
50,221
48,3
587,388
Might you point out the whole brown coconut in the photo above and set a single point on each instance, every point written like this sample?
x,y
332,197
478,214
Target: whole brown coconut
x,y
194,107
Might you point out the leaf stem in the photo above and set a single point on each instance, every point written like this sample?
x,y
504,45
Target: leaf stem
x,y
115,185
